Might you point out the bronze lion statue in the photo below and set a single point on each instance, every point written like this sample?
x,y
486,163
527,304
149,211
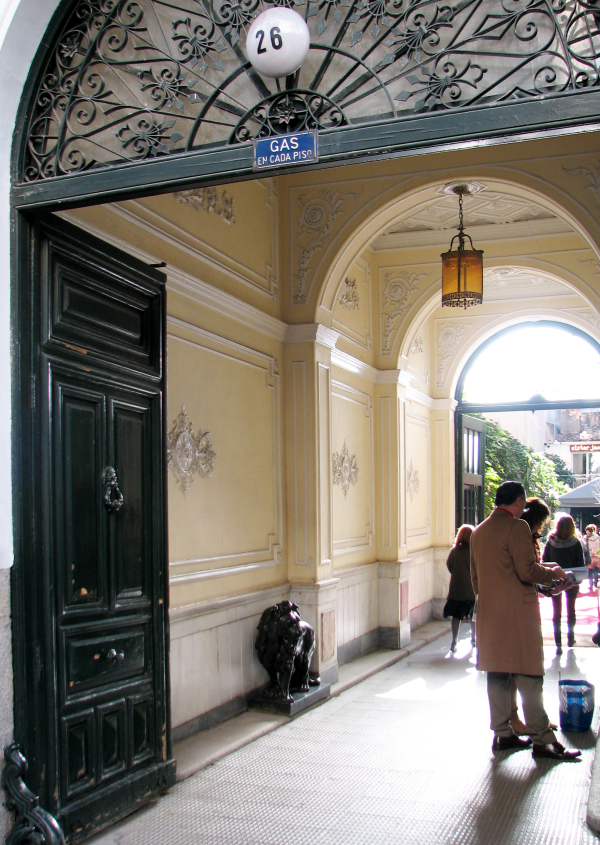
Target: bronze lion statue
x,y
285,645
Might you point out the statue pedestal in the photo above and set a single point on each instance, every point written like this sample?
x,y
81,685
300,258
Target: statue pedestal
x,y
301,701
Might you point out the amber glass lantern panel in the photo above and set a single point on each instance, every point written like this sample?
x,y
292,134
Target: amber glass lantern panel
x,y
462,277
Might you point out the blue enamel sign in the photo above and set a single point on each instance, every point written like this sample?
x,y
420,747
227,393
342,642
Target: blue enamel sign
x,y
295,148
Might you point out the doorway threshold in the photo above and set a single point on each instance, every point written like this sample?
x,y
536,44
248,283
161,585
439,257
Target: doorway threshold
x,y
207,747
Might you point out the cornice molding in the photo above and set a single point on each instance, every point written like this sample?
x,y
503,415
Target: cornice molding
x,y
487,232
394,377
445,404
353,365
414,395
401,377
312,332
224,303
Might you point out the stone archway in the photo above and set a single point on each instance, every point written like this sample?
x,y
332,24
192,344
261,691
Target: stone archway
x,y
367,229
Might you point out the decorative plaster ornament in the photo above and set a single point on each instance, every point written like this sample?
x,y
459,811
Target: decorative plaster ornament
x,y
398,290
412,481
449,337
208,199
416,347
189,453
345,469
315,221
592,174
349,296
277,42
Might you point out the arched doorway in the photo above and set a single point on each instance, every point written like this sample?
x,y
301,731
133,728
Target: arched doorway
x,y
532,389
318,234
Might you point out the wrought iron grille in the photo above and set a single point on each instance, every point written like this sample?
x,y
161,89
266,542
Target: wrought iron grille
x,y
133,79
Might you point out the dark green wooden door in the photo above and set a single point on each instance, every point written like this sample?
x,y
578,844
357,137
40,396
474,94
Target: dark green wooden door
x,y
98,365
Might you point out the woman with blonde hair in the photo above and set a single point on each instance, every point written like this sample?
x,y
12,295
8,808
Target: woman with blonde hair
x,y
461,598
564,548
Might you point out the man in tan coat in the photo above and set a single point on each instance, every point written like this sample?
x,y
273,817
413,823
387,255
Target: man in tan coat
x,y
509,631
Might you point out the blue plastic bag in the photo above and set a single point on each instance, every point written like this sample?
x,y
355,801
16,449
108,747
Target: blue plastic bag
x,y
576,705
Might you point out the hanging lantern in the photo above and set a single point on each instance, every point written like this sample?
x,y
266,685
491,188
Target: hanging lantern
x,y
462,269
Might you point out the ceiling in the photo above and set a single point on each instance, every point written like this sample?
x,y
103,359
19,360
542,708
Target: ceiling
x,y
488,215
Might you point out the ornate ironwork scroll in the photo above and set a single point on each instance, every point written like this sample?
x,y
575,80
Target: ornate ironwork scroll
x,y
135,79
189,453
33,826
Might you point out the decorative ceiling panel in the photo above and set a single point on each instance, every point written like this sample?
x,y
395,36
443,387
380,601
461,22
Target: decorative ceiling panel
x,y
129,80
510,283
486,208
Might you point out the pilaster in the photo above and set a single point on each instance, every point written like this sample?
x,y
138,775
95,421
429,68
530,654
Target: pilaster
x,y
390,464
318,603
443,471
394,606
309,492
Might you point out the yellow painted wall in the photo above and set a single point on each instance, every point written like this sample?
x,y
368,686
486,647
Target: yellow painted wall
x,y
353,424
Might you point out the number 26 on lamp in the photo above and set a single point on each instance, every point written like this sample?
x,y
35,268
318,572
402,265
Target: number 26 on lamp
x,y
277,42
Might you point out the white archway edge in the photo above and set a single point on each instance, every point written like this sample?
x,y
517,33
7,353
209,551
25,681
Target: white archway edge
x,y
530,267
496,325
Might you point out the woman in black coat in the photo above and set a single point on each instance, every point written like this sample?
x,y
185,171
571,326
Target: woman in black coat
x,y
461,598
565,549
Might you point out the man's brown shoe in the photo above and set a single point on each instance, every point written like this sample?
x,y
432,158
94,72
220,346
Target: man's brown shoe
x,y
556,751
510,743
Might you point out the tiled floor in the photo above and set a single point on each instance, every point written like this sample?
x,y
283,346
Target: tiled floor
x,y
404,758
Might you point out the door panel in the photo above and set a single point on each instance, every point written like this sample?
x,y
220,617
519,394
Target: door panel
x,y
80,770
97,660
141,709
98,675
97,306
112,756
79,424
133,538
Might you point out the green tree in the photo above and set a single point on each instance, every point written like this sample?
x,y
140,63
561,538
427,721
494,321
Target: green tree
x,y
563,473
507,459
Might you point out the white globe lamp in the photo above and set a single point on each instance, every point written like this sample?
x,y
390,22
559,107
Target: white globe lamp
x,y
277,42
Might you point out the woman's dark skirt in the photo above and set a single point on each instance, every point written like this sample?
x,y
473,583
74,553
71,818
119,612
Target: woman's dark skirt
x,y
462,610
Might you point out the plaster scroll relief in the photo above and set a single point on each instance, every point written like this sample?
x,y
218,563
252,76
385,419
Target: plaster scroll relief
x,y
593,263
208,199
412,481
398,289
592,174
345,469
509,283
349,295
189,454
352,307
588,315
449,335
416,347
317,215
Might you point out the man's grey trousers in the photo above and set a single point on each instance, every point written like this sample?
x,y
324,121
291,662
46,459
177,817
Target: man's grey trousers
x,y
531,690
